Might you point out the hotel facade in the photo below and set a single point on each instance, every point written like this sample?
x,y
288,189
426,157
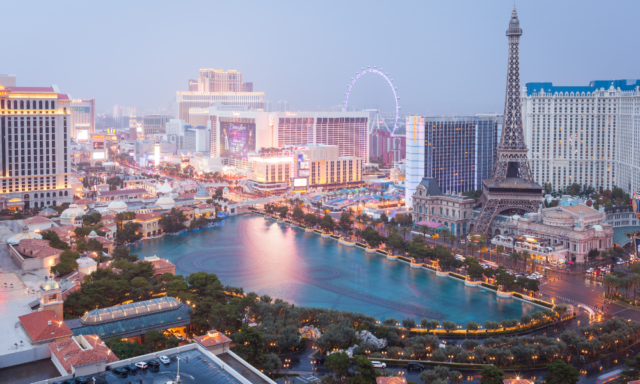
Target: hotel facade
x,y
34,153
584,134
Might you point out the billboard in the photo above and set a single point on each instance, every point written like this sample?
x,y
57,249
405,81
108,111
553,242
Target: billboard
x,y
83,135
302,182
237,139
98,145
80,109
98,155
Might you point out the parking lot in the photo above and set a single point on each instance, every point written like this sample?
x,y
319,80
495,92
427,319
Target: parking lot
x,y
194,368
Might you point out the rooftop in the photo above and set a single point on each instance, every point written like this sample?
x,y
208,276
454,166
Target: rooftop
x,y
81,350
44,326
624,85
121,192
127,311
212,338
576,209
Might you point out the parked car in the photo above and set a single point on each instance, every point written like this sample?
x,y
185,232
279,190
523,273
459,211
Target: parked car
x,y
82,380
164,359
142,365
120,371
377,364
153,364
320,360
590,270
130,368
415,366
69,381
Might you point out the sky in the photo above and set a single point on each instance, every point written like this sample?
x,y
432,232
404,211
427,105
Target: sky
x,y
445,57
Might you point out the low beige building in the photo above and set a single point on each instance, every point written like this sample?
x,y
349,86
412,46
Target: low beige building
x,y
452,210
559,234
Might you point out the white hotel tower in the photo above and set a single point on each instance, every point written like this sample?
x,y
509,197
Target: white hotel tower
x,y
588,135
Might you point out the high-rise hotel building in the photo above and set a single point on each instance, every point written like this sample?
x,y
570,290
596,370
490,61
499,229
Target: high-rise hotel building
x,y
587,135
457,151
216,87
234,134
34,152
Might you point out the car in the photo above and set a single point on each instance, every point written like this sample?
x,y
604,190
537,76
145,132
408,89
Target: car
x,y
416,366
320,360
164,360
590,270
69,381
142,365
131,368
620,262
377,364
120,371
82,380
153,364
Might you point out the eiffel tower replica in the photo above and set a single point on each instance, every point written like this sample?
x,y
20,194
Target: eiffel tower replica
x,y
511,185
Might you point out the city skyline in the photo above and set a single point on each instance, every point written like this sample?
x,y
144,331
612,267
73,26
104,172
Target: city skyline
x,y
147,64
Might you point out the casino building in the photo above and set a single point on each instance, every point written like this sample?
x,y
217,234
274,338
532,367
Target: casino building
x,y
34,155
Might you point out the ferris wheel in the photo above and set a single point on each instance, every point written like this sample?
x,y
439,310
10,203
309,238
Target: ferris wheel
x,y
372,94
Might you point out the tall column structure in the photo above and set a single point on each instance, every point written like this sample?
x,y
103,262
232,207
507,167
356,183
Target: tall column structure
x,y
511,185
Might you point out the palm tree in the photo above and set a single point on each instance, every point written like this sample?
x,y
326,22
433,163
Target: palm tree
x,y
452,238
472,247
499,250
482,246
515,256
424,230
404,231
526,256
435,237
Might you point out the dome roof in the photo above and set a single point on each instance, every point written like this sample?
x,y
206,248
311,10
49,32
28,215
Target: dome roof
x,y
84,261
93,234
516,217
15,239
72,212
117,204
51,284
48,212
165,188
165,202
203,193
598,228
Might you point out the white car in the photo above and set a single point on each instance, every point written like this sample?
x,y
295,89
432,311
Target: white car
x,y
141,365
377,364
164,359
590,270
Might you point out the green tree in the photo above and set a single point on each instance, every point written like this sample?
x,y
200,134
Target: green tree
x,y
272,363
338,363
491,374
560,372
515,256
366,369
449,325
250,345
68,263
327,224
298,214
633,369
395,242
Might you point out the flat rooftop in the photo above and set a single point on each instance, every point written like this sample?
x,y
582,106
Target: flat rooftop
x,y
199,369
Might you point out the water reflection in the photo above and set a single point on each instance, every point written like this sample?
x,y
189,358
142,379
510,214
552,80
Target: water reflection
x,y
271,258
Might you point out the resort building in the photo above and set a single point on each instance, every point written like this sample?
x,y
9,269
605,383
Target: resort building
x,y
432,208
35,166
82,355
583,134
235,134
83,118
214,342
226,100
387,148
559,234
304,167
160,265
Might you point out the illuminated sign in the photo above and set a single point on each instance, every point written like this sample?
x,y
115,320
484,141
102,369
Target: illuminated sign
x,y
156,154
300,182
80,109
415,128
290,114
97,155
98,145
4,93
97,137
83,135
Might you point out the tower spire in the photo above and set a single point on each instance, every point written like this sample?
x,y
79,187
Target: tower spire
x,y
511,185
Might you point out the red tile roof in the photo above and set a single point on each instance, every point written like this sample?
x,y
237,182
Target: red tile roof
x,y
104,229
205,205
71,353
186,195
37,220
60,231
185,209
44,326
101,239
148,216
108,217
158,263
37,248
63,97
212,338
83,201
119,192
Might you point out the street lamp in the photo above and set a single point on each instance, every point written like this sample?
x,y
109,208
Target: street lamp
x,y
178,375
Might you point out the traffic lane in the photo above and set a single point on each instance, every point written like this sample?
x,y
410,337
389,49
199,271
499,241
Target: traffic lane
x,y
574,287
